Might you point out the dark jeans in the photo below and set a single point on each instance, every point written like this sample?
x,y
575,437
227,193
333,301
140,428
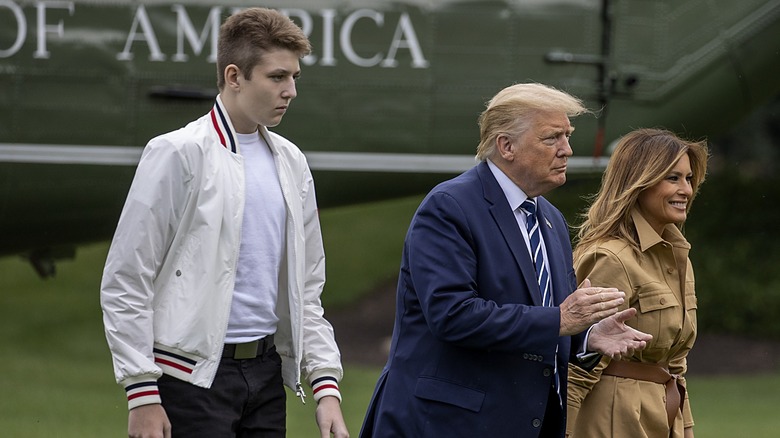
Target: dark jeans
x,y
247,399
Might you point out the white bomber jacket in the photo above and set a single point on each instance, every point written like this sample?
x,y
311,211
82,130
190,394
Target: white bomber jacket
x,y
168,280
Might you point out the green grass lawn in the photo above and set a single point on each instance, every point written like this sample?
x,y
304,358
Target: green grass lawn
x,y
736,407
56,376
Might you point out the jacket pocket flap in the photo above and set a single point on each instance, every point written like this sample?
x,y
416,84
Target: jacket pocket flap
x,y
650,300
448,392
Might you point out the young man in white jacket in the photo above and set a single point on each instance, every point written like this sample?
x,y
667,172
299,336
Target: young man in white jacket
x,y
211,289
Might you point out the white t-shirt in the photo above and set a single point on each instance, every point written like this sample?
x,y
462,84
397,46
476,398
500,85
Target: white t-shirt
x,y
253,310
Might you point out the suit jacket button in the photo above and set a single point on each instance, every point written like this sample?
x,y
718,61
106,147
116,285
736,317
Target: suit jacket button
x,y
546,372
525,355
537,422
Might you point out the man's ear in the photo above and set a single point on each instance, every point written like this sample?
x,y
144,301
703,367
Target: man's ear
x,y
232,74
505,147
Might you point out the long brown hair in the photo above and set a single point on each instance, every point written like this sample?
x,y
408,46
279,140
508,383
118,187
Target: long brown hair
x,y
642,158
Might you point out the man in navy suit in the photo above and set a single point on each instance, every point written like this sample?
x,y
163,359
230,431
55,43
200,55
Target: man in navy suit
x,y
477,349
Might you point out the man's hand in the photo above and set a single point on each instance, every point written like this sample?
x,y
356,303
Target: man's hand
x,y
612,337
329,418
587,306
148,421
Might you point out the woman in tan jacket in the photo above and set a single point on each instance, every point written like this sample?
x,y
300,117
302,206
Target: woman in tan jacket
x,y
631,240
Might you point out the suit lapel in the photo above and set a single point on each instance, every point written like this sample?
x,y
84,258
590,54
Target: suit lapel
x,y
555,255
507,224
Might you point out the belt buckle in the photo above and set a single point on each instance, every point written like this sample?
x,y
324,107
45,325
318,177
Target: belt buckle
x,y
247,350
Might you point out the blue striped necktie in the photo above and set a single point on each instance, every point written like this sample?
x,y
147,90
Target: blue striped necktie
x,y
535,237
542,276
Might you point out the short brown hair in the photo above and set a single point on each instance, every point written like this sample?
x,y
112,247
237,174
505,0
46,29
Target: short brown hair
x,y
246,35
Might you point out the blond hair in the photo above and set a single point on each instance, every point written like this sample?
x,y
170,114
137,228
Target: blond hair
x,y
512,110
642,158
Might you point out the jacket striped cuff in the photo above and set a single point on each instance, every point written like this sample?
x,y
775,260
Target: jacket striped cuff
x,y
175,365
325,385
142,393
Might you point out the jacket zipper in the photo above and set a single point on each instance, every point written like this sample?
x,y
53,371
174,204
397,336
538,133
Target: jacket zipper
x,y
300,393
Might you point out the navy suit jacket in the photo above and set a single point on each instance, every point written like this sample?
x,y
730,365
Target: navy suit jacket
x,y
473,350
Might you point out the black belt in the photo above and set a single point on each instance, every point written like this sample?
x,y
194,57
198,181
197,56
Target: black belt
x,y
249,350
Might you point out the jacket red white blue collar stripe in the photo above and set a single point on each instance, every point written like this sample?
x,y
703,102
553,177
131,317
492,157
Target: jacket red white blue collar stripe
x,y
221,123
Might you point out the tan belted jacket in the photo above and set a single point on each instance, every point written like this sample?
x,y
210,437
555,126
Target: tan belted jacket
x,y
658,282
